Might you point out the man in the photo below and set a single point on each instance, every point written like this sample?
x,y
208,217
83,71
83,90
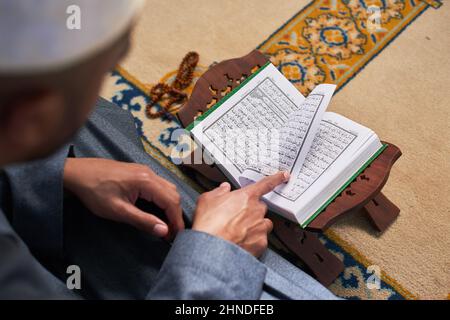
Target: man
x,y
99,202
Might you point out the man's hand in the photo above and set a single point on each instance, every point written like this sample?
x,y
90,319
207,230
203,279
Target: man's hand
x,y
238,216
110,189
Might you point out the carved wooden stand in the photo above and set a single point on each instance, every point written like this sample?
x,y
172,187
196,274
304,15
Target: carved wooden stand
x,y
363,194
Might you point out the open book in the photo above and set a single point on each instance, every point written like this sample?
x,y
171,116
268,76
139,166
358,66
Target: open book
x,y
265,125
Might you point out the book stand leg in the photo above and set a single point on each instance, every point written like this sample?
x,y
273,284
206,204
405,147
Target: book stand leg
x,y
306,246
381,212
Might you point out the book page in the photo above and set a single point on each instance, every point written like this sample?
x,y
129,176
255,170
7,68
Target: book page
x,y
339,148
246,134
295,136
299,132
329,143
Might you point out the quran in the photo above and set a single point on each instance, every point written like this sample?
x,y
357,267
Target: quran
x,y
266,125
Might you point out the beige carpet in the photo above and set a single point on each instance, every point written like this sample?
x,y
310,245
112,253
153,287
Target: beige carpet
x,y
402,94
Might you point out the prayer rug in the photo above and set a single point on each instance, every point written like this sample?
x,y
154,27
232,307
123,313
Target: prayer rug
x,y
327,41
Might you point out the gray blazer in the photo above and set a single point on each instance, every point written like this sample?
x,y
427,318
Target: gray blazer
x,y
43,230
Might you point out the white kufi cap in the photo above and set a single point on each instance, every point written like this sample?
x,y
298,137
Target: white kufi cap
x,y
45,35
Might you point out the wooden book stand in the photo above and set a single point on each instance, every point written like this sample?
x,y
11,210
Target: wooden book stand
x,y
363,194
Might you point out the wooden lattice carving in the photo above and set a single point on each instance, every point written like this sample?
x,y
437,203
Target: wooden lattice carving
x,y
215,83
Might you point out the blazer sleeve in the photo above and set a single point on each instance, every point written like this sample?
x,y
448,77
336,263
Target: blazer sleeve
x,y
201,266
37,192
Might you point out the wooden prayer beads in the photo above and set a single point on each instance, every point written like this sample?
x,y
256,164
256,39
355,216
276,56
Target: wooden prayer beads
x,y
174,92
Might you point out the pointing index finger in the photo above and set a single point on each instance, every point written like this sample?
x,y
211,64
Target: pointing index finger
x,y
267,184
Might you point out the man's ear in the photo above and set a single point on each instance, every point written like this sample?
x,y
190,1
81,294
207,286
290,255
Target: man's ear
x,y
29,123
